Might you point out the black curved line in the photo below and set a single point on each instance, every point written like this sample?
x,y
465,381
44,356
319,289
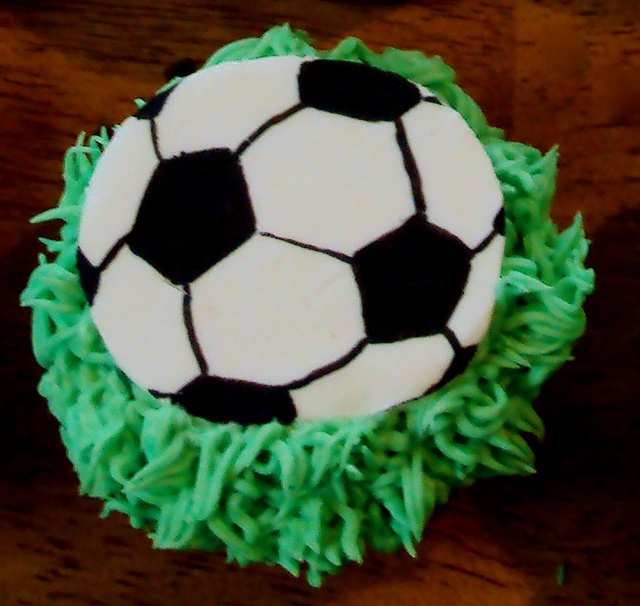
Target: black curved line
x,y
499,222
325,251
325,370
498,230
450,336
187,316
410,167
154,139
303,382
432,99
268,124
111,255
160,394
485,242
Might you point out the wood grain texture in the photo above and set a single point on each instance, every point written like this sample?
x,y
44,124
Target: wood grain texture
x,y
549,72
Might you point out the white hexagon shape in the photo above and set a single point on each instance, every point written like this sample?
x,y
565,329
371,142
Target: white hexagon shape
x,y
272,312
139,315
223,105
471,317
460,187
327,180
382,376
116,188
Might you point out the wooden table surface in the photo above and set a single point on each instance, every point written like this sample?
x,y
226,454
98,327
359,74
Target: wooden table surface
x,y
547,71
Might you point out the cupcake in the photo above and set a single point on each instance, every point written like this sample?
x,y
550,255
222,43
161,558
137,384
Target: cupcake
x,y
298,297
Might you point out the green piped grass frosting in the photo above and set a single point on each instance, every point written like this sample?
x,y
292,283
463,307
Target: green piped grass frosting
x,y
315,495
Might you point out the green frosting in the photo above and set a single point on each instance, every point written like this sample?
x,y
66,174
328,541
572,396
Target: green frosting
x,y
314,495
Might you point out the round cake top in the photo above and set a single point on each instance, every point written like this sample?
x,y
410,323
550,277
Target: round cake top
x,y
287,237
311,495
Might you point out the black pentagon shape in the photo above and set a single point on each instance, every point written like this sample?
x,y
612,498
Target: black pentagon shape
x,y
411,280
195,211
89,276
154,106
356,90
226,400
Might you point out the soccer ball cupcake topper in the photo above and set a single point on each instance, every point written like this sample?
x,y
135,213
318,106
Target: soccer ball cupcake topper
x,y
285,237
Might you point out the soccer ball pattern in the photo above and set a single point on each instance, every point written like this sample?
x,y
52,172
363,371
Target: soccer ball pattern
x,y
288,237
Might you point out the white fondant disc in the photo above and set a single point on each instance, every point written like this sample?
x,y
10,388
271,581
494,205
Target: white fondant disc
x,y
284,306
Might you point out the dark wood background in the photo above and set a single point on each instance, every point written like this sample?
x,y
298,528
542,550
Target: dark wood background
x,y
547,71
